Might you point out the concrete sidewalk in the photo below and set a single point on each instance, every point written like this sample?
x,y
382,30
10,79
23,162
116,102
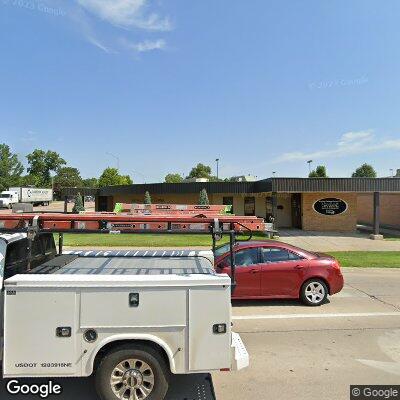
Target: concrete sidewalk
x,y
336,241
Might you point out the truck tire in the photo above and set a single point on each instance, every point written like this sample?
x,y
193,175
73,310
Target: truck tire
x,y
136,372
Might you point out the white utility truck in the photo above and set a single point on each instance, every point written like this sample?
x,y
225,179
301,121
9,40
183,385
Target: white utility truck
x,y
32,195
132,318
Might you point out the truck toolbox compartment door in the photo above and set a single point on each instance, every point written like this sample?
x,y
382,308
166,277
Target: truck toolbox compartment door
x,y
113,308
3,248
209,350
32,343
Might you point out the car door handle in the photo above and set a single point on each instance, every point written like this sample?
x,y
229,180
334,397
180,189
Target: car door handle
x,y
254,271
299,267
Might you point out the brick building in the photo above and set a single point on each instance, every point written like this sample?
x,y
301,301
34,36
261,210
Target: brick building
x,y
311,204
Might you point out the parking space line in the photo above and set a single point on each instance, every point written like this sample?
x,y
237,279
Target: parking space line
x,y
331,315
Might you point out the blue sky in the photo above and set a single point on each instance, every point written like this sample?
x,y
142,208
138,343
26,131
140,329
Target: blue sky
x,y
164,84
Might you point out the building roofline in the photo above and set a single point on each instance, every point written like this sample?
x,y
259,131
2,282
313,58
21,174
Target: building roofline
x,y
279,185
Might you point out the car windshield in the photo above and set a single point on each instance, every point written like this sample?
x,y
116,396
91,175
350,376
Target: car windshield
x,y
5,195
220,250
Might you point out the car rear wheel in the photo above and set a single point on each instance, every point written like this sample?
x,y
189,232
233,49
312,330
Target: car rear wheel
x,y
314,292
132,373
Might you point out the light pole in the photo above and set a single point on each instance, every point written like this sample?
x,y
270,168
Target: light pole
x,y
217,161
309,165
391,172
116,157
273,173
139,173
52,183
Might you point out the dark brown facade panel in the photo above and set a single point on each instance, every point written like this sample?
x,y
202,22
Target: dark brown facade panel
x,y
193,187
335,185
83,191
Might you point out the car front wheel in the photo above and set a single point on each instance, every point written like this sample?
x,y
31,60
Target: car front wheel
x,y
314,292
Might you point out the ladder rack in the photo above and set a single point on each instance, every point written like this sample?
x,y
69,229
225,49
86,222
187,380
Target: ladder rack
x,y
97,222
128,223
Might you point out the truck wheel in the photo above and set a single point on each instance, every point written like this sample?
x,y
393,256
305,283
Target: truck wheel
x,y
132,372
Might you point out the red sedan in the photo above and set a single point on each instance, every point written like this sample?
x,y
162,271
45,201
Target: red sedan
x,y
276,270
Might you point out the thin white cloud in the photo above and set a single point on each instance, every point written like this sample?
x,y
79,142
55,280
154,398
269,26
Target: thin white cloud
x,y
98,44
350,137
350,143
147,45
127,14
29,137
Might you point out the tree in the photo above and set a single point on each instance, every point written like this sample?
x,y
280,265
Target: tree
x,y
213,178
111,177
90,183
67,177
319,172
365,171
147,198
78,206
30,180
203,198
42,163
200,171
173,178
127,180
10,168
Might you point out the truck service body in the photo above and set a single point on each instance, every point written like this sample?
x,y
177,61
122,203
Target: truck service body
x,y
74,314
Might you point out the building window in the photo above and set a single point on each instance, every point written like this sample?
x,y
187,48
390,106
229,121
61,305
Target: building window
x,y
228,201
249,206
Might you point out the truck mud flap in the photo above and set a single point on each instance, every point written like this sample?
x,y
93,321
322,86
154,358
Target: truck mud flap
x,y
182,387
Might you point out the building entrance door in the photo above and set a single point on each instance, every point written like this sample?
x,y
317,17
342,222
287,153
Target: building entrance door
x,y
296,211
249,206
102,204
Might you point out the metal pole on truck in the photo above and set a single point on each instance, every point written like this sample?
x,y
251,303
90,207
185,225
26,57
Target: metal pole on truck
x,y
232,259
60,242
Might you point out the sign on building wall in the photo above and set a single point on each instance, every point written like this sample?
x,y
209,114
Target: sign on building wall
x,y
330,206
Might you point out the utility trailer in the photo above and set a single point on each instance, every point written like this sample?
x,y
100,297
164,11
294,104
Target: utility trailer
x,y
132,318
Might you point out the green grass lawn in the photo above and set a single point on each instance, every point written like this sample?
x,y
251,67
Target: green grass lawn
x,y
381,259
142,240
368,259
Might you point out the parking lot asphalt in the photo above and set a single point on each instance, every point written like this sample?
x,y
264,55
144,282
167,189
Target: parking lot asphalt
x,y
56,206
297,352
